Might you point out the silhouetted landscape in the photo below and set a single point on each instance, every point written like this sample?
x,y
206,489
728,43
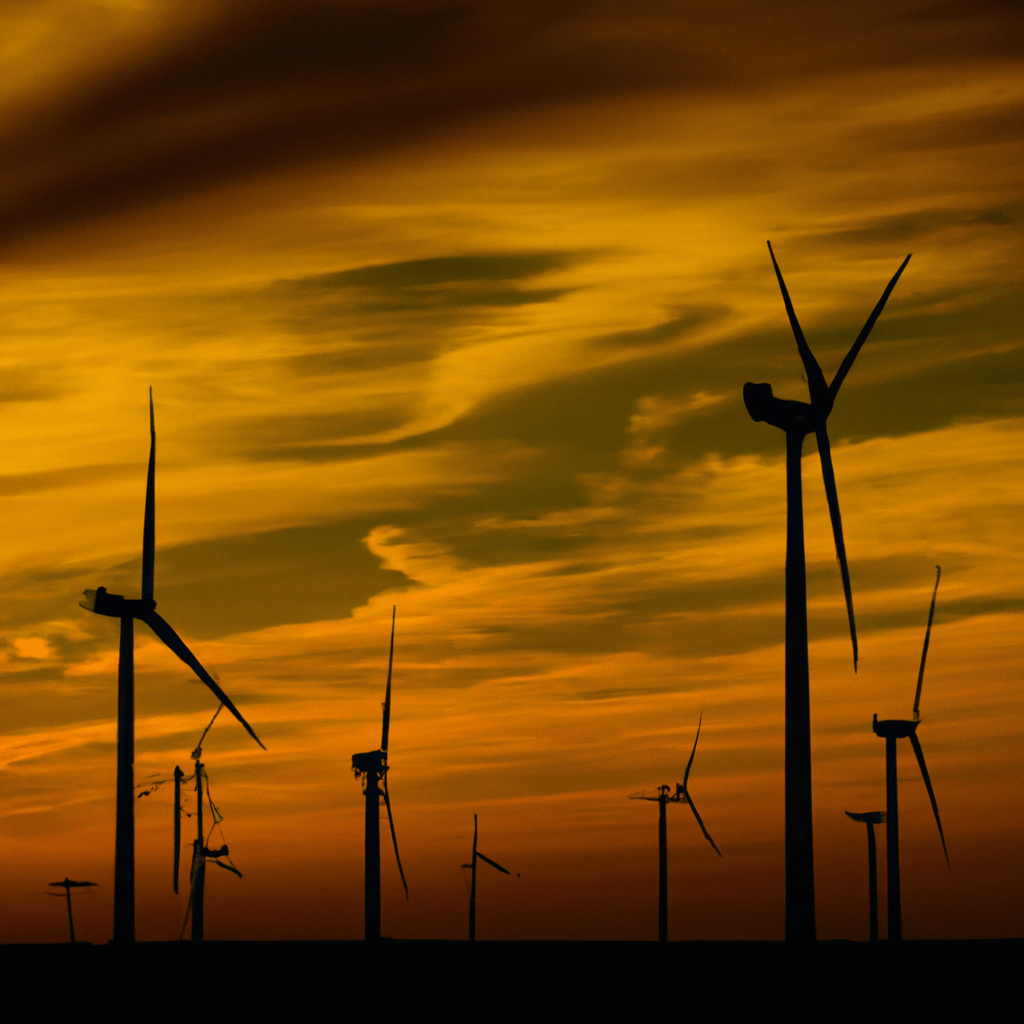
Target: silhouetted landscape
x,y
455,323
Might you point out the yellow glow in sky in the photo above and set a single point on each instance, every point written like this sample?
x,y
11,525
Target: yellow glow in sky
x,y
450,306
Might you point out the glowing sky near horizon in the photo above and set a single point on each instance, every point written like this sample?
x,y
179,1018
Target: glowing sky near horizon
x,y
449,306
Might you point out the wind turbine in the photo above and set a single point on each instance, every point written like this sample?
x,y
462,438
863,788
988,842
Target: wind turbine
x,y
681,796
477,855
67,885
798,419
893,729
201,853
872,818
372,768
127,610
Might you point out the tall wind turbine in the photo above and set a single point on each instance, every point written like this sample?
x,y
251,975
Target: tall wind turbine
x,y
127,610
477,855
798,419
893,729
372,768
67,885
681,796
871,818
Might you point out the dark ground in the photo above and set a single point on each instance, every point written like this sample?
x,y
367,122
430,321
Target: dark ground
x,y
420,981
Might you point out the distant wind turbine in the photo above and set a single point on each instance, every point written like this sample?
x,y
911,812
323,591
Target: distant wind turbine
x,y
798,419
681,796
67,885
372,768
127,610
891,730
871,818
201,853
477,855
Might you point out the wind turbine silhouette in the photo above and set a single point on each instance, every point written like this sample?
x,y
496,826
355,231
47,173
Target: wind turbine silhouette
x,y
127,610
798,419
67,885
201,853
893,729
681,796
477,855
871,818
372,768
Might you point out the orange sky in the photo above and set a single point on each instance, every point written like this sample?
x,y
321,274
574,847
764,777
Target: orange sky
x,y
450,305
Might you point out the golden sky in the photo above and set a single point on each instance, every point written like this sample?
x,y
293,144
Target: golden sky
x,y
449,306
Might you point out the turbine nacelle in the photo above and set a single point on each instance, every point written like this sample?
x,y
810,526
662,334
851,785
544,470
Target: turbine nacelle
x,y
116,606
870,817
783,413
370,763
897,728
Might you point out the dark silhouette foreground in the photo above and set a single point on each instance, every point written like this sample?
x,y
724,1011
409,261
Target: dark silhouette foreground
x,y
517,981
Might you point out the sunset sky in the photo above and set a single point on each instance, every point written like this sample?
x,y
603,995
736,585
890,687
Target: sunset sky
x,y
449,305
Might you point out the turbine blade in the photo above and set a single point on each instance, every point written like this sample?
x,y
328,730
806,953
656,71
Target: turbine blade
x,y
707,835
825,451
387,693
394,838
689,764
176,644
844,368
916,744
494,864
149,521
226,867
815,378
199,745
924,652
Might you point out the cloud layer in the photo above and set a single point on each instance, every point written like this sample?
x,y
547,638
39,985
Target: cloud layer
x,y
450,306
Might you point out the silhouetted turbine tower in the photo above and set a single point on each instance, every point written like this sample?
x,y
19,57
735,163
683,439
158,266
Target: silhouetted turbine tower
x,y
798,419
893,729
67,885
127,610
201,853
372,768
477,855
681,796
872,818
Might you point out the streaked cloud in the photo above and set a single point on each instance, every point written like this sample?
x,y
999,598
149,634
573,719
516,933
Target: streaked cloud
x,y
449,307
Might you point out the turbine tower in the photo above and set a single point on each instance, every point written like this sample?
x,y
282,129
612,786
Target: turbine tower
x,y
891,730
798,419
681,796
127,610
871,818
372,768
477,855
